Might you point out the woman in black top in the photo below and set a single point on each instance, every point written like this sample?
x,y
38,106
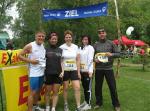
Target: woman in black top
x,y
53,71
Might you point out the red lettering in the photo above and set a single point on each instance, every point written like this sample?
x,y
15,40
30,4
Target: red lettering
x,y
17,59
4,57
13,59
23,89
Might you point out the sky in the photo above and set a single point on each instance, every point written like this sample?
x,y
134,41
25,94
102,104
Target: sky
x,y
12,12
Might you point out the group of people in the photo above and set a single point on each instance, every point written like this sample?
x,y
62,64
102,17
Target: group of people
x,y
56,65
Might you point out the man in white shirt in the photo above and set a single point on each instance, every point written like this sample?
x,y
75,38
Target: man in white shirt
x,y
36,60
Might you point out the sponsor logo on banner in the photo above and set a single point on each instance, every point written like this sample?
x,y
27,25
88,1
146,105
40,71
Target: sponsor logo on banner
x,y
9,57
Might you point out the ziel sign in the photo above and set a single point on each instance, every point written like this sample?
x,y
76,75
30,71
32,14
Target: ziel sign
x,y
79,12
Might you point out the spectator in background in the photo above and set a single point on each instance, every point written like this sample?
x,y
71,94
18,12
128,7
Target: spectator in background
x,y
142,51
9,45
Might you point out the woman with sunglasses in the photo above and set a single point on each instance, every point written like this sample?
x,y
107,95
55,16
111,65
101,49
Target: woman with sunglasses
x,y
53,72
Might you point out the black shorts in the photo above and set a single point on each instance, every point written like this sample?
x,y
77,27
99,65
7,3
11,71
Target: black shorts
x,y
52,79
84,74
70,75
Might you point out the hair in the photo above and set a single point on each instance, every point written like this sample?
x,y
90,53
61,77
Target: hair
x,y
52,34
40,31
68,32
89,40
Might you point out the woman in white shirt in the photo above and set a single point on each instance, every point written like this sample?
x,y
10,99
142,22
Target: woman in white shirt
x,y
86,67
71,65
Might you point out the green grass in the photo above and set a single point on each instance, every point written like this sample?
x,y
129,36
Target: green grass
x,y
133,87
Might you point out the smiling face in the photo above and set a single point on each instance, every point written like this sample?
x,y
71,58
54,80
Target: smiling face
x,y
85,41
53,40
40,37
68,38
102,35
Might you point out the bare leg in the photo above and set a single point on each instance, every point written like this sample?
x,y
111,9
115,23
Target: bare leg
x,y
76,87
31,99
55,94
48,89
65,89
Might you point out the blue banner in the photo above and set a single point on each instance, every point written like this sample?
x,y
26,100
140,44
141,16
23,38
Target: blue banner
x,y
79,12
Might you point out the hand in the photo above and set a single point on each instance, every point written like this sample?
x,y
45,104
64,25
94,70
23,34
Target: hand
x,y
108,54
97,61
90,74
34,62
61,74
79,75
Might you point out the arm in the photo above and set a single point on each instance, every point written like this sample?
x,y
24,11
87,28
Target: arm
x,y
26,50
90,61
95,54
78,64
115,52
62,67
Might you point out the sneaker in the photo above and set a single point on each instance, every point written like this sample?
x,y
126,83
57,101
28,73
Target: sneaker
x,y
39,109
86,107
47,108
97,107
83,104
117,108
33,108
66,107
79,108
53,109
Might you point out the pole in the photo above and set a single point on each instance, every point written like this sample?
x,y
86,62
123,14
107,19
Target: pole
x,y
40,15
119,35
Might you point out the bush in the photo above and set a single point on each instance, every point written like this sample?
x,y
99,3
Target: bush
x,y
137,59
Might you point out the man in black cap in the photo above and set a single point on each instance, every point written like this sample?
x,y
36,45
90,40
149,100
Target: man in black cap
x,y
105,51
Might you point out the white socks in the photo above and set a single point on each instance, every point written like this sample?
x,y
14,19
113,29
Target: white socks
x,y
53,109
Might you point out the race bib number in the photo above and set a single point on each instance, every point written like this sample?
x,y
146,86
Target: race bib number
x,y
69,64
101,57
82,66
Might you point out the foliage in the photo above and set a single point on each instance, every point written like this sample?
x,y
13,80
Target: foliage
x,y
141,59
132,13
136,13
137,59
4,18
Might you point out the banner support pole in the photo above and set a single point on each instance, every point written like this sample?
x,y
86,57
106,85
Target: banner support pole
x,y
119,36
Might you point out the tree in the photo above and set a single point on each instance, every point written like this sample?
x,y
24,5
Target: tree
x,y
132,13
4,18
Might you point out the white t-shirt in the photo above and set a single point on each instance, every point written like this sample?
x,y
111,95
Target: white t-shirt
x,y
38,53
69,56
86,59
